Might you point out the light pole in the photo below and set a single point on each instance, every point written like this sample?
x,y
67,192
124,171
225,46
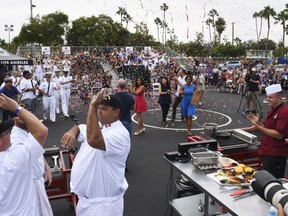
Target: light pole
x,y
9,29
31,9
233,33
31,17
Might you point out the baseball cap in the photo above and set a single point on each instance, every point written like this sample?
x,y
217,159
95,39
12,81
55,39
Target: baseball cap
x,y
112,101
6,125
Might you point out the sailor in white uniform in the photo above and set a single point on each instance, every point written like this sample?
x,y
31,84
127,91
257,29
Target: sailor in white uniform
x,y
65,85
47,88
56,80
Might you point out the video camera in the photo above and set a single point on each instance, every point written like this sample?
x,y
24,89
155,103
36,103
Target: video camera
x,y
248,77
270,189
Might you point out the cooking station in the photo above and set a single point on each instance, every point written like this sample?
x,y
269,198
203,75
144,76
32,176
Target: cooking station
x,y
234,143
193,162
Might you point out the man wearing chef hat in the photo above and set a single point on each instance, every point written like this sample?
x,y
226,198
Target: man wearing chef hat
x,y
274,129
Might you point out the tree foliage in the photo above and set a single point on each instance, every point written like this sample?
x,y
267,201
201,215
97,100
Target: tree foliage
x,y
94,31
228,50
3,44
46,30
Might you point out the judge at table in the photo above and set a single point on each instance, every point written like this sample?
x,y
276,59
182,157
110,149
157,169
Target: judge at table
x,y
274,129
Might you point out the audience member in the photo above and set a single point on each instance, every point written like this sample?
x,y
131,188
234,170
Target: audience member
x,y
140,103
188,109
164,99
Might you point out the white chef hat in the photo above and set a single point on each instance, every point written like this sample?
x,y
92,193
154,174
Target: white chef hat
x,y
273,89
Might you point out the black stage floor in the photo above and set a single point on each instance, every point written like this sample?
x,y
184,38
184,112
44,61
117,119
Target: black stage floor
x,y
148,173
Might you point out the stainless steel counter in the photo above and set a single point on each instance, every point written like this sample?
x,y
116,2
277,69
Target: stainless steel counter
x,y
252,205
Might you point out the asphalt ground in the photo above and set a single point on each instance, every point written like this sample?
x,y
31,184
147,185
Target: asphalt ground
x,y
148,173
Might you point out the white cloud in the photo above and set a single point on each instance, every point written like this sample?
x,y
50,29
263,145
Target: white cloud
x,y
17,12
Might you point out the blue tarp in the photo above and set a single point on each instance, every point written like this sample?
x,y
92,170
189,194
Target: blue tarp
x,y
282,60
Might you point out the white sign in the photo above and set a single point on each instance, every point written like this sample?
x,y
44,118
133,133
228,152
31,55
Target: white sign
x,y
66,50
147,50
129,49
45,50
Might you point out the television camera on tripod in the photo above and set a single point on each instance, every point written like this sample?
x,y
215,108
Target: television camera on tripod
x,y
250,95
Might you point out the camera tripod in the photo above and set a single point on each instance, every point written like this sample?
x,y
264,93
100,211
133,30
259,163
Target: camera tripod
x,y
242,107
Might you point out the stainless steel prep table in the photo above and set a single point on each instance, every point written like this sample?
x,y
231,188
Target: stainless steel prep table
x,y
252,205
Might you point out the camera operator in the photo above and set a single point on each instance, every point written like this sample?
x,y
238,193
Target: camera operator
x,y
252,80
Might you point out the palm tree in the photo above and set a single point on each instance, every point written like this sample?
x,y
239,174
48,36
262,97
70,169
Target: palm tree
x,y
281,18
209,22
127,18
220,27
163,25
164,8
255,16
213,14
121,11
267,13
158,22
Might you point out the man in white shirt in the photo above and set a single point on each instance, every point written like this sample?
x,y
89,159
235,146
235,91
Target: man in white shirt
x,y
38,71
16,80
17,190
47,88
66,64
65,89
56,80
98,173
178,98
41,171
28,89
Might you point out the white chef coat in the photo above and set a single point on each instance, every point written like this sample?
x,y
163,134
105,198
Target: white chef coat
x,y
17,190
97,176
44,207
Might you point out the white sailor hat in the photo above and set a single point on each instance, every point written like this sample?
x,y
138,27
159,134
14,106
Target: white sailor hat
x,y
273,89
9,79
254,69
48,74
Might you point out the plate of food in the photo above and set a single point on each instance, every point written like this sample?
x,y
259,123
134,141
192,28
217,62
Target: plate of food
x,y
238,175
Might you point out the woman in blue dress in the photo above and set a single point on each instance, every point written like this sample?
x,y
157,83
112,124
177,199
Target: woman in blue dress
x,y
188,109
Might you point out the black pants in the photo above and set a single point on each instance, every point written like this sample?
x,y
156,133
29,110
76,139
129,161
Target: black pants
x,y
275,165
165,109
176,103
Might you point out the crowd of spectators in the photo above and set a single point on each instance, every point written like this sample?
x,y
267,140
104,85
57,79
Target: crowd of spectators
x,y
152,64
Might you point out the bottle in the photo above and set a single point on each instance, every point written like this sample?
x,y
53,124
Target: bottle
x,y
272,211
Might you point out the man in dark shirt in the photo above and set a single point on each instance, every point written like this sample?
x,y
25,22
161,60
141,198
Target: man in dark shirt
x,y
12,92
252,80
274,130
128,101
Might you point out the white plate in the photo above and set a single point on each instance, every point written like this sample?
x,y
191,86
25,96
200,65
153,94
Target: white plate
x,y
217,180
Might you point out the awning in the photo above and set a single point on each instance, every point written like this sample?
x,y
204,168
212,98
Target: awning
x,y
7,58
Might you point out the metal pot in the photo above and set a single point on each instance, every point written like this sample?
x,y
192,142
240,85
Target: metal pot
x,y
210,129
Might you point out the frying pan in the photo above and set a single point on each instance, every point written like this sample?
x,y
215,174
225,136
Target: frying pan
x,y
223,134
